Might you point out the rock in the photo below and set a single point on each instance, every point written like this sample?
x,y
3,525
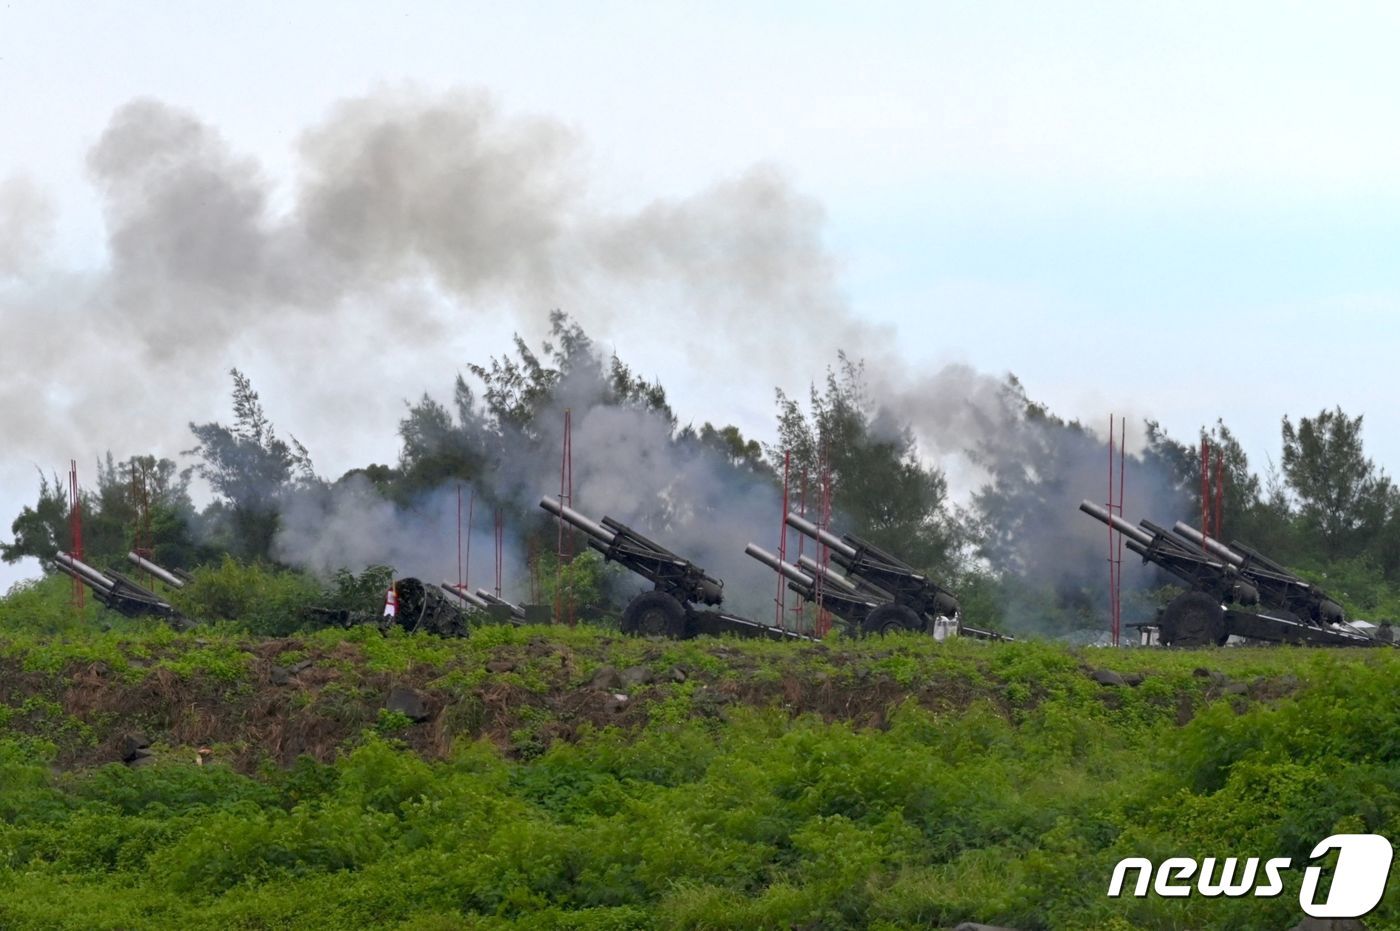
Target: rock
x,y
634,676
133,745
1134,679
606,679
146,760
1106,677
279,675
301,666
1200,672
500,665
1235,688
408,702
677,674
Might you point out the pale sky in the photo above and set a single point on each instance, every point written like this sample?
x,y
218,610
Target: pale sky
x,y
1183,211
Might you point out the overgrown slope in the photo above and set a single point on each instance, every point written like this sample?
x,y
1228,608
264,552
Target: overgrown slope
x,y
573,778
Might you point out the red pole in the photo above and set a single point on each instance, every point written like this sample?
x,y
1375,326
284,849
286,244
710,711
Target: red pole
x,y
1112,572
1219,492
801,541
1118,556
780,602
467,562
500,547
75,529
1205,490
563,593
824,554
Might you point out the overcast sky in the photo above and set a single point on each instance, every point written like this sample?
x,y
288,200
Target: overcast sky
x,y
1183,211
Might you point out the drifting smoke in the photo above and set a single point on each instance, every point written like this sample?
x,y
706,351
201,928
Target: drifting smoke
x,y
26,224
350,525
416,226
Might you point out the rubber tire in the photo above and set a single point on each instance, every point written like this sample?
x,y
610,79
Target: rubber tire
x,y
891,618
1193,619
654,614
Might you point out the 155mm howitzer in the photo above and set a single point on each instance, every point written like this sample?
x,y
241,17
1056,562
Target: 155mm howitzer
x,y
670,609
1234,591
837,593
906,598
120,593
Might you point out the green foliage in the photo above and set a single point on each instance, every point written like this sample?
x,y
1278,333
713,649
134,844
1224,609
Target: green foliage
x,y
1009,808
250,468
881,486
262,599
587,579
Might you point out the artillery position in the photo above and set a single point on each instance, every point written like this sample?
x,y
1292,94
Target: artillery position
x,y
671,608
123,594
876,592
1234,590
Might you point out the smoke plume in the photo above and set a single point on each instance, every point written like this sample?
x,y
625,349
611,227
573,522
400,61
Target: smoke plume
x,y
418,229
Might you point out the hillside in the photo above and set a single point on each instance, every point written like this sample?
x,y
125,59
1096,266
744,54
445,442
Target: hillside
x,y
571,778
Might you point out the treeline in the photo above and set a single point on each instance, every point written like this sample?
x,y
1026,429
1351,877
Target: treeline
x,y
1016,551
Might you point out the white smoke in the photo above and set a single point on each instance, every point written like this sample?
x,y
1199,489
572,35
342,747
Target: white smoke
x,y
418,230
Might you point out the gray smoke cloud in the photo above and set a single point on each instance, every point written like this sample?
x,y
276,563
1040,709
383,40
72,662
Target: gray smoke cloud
x,y
26,226
416,225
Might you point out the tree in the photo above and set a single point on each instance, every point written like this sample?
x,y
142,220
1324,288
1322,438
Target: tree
x,y
251,469
110,515
880,487
41,530
1343,498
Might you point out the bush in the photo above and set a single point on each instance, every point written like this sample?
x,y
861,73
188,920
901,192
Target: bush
x,y
261,599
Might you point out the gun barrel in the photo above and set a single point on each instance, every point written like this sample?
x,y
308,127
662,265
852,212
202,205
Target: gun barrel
x,y
831,540
566,513
815,569
168,578
463,594
1101,514
1215,546
88,574
492,598
786,569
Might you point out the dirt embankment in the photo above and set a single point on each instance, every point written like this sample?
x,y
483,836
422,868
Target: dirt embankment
x,y
521,696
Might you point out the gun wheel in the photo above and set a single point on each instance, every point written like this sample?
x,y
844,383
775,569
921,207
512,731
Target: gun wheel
x,y
654,614
1194,619
892,618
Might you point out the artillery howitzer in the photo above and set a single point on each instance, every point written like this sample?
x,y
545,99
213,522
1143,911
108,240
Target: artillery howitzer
x,y
120,593
175,578
1234,590
486,603
876,592
670,609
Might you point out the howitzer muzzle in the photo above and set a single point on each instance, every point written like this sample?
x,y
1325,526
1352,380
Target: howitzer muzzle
x,y
463,594
566,513
786,569
815,569
492,598
826,537
87,573
1101,514
168,578
1214,546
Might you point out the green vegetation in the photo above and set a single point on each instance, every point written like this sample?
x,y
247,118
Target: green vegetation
x,y
893,783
